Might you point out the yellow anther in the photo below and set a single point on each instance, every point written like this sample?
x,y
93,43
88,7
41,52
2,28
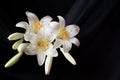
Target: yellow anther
x,y
44,44
37,25
63,34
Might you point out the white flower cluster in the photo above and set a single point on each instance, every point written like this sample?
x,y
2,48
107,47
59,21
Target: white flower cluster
x,y
42,38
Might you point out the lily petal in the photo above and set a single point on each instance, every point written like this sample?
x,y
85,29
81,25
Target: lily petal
x,y
61,21
52,52
57,44
46,20
15,36
44,33
75,41
48,64
29,36
22,46
54,30
68,57
31,50
13,60
54,25
40,58
67,45
32,18
72,30
22,24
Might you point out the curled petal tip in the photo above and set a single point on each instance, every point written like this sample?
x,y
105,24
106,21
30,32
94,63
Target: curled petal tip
x,y
27,12
74,63
47,74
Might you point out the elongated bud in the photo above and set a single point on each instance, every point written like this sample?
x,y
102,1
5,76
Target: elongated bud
x,y
68,57
16,44
48,65
13,60
15,36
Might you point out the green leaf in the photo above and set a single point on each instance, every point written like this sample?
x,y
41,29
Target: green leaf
x,y
16,44
13,60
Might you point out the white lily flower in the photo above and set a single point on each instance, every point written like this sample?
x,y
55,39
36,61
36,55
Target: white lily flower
x,y
66,35
41,46
65,38
34,26
15,36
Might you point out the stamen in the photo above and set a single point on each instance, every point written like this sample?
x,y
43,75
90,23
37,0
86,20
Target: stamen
x,y
44,44
63,34
37,25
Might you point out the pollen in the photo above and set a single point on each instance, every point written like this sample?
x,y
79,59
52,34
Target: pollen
x,y
37,25
63,34
44,44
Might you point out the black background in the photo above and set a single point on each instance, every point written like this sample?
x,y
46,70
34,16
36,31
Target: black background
x,y
98,57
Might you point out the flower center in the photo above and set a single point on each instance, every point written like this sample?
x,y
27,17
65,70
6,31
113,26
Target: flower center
x,y
63,34
44,44
37,26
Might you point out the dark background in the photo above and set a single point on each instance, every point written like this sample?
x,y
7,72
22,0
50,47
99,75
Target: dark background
x,y
98,57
